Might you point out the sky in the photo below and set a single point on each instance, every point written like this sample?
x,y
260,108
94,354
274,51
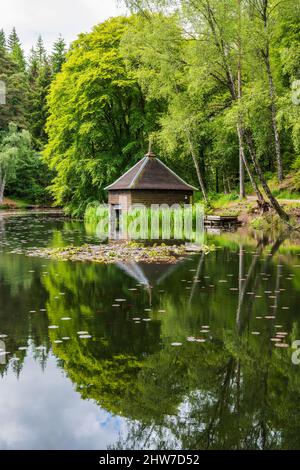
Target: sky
x,y
53,17
42,410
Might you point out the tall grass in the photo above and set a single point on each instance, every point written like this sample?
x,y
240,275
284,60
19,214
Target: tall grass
x,y
95,212
147,223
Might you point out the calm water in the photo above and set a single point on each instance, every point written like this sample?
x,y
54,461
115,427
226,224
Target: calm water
x,y
127,385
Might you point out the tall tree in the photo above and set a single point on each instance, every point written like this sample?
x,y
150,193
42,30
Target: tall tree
x,y
264,11
162,70
40,51
99,121
239,96
15,50
215,21
39,76
58,55
2,39
14,145
15,108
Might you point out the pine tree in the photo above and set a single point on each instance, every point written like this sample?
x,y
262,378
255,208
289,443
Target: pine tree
x,y
13,39
2,40
38,110
32,65
40,51
58,55
37,59
15,108
15,50
39,77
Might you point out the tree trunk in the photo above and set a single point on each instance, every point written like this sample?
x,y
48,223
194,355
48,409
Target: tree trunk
x,y
242,175
265,52
231,86
224,185
259,195
196,164
2,188
273,201
272,94
239,79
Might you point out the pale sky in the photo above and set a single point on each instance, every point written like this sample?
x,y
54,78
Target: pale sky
x,y
52,17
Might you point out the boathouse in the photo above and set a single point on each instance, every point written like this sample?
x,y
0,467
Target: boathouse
x,y
148,182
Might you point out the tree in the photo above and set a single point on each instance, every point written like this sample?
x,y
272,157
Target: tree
x,y
288,55
15,50
2,40
239,96
14,146
99,122
40,51
39,77
263,12
161,67
58,56
15,108
215,22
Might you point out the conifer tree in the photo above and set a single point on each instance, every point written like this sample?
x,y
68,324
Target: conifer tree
x,y
2,39
15,50
58,55
15,108
39,77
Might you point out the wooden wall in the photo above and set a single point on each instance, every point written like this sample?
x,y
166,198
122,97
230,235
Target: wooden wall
x,y
147,197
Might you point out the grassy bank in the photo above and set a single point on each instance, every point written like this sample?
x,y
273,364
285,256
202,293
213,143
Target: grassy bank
x,y
17,204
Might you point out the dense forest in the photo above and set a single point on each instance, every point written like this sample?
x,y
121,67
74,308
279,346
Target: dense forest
x,y
215,85
23,115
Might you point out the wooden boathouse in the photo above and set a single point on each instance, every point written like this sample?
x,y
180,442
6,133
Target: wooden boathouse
x,y
148,182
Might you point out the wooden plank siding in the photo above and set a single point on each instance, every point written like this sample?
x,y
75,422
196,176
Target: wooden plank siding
x,y
126,198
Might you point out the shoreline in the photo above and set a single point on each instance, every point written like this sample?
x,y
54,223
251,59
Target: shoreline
x,y
25,210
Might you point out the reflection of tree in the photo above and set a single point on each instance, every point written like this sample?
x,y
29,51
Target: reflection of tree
x,y
236,392
21,292
21,289
106,366
207,408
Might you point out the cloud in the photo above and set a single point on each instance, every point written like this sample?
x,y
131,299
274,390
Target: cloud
x,y
53,17
41,410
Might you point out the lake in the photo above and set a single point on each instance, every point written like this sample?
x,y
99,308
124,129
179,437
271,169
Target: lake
x,y
195,355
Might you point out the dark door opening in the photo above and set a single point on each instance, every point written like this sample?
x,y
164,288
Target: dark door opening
x,y
118,217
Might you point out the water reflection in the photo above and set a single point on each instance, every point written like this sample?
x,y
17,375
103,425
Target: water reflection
x,y
127,386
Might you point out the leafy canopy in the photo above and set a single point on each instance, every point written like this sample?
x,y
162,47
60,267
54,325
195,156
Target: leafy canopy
x,y
98,117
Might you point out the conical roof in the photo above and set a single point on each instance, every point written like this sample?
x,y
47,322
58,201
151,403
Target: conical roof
x,y
150,173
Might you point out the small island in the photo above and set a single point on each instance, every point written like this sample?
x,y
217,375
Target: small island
x,y
121,252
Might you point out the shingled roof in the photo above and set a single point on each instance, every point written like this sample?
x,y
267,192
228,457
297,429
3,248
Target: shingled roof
x,y
150,173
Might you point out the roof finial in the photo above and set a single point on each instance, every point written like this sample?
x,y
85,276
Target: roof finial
x,y
150,153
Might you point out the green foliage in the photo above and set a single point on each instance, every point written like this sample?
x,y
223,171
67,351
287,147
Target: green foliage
x,y
39,77
13,146
2,40
22,173
171,74
16,92
15,50
27,84
98,118
197,75
58,55
268,223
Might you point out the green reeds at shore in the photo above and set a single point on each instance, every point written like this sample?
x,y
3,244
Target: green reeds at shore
x,y
150,223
